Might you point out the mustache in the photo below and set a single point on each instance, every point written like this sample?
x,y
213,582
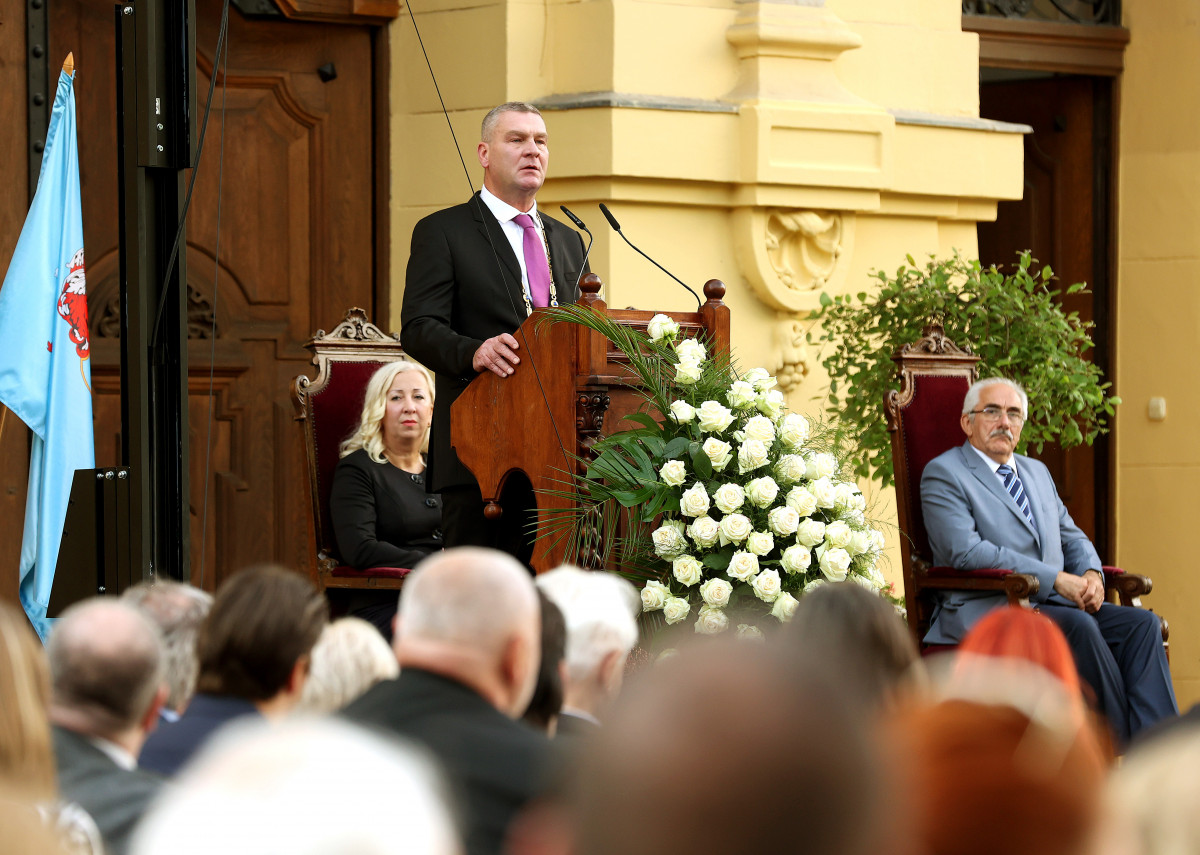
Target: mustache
x,y
1001,431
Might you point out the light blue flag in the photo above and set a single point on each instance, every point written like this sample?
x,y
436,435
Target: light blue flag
x,y
45,376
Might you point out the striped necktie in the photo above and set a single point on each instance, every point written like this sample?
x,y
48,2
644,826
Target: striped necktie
x,y
1017,490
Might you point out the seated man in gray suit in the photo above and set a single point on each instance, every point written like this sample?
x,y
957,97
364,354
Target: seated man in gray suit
x,y
106,667
985,506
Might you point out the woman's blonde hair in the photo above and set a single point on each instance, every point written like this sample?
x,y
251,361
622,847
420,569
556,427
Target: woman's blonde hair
x,y
369,433
26,750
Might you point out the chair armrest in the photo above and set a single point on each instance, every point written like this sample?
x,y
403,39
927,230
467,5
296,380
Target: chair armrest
x,y
1128,587
377,578
1018,587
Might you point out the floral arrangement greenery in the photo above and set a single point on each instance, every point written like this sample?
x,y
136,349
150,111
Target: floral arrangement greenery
x,y
1012,321
724,506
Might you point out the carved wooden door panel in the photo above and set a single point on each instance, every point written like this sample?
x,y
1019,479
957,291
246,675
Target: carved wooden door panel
x,y
294,250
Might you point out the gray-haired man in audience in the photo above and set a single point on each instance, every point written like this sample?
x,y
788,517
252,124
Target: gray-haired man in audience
x,y
106,667
178,610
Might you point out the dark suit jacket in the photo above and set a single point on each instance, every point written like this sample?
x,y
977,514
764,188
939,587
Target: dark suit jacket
x,y
457,293
381,516
172,745
495,764
114,797
973,523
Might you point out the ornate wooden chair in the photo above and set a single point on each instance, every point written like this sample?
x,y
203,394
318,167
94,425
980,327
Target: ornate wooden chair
x,y
923,419
328,408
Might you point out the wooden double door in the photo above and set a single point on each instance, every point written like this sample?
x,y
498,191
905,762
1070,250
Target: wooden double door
x,y
281,238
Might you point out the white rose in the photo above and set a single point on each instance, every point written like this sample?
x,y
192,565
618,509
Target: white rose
x,y
784,607
694,501
654,596
760,379
668,541
676,609
728,498
711,621
716,592
766,586
689,350
720,453
762,491
877,540
834,563
824,492
820,465
746,632
687,570
661,327
796,559
790,468
760,543
813,585
704,531
861,542
770,403
734,528
801,500
751,455
838,534
850,497
682,411
713,418
741,395
673,473
810,532
743,566
783,520
793,431
687,373
863,582
876,576
760,428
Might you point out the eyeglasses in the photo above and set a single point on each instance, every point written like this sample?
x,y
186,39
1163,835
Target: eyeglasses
x,y
993,414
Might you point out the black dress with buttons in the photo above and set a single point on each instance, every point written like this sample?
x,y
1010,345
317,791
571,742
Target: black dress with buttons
x,y
382,517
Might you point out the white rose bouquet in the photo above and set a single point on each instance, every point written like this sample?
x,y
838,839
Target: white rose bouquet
x,y
723,506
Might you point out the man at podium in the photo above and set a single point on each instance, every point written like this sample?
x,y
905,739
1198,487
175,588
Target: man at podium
x,y
475,273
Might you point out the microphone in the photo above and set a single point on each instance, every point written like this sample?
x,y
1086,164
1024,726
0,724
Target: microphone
x,y
612,221
591,239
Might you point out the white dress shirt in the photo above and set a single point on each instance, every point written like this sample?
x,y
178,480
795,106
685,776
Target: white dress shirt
x,y
505,214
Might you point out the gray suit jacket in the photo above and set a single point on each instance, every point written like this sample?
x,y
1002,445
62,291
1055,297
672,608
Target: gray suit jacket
x,y
973,523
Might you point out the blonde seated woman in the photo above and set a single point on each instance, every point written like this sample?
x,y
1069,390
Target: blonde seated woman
x,y
381,514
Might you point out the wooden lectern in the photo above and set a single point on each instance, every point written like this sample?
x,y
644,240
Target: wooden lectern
x,y
570,388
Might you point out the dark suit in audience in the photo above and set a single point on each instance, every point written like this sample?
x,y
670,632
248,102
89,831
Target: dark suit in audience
x,y
172,745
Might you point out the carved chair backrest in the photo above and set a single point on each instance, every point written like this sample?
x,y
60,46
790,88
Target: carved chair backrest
x,y
329,406
923,418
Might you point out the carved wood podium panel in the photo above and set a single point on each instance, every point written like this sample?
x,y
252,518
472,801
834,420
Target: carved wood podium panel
x,y
571,387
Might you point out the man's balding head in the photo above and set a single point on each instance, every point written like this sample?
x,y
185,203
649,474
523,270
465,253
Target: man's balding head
x,y
106,667
472,614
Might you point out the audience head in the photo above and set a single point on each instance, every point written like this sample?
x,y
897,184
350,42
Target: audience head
x,y
547,699
877,653
730,747
369,432
178,610
349,658
1023,635
107,671
259,634
600,610
472,614
304,787
969,768
26,752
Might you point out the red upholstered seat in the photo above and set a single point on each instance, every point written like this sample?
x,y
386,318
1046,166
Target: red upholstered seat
x,y
328,408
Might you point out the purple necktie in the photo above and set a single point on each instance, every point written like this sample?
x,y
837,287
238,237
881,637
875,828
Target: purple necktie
x,y
536,267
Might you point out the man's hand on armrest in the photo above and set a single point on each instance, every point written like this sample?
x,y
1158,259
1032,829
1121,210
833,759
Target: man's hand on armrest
x,y
1073,587
1093,598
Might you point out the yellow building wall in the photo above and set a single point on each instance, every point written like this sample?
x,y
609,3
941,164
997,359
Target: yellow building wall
x,y
783,148
1158,320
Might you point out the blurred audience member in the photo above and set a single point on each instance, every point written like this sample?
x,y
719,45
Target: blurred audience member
x,y
254,651
729,748
178,610
349,658
468,641
876,652
106,667
547,699
303,787
989,779
1152,799
600,610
